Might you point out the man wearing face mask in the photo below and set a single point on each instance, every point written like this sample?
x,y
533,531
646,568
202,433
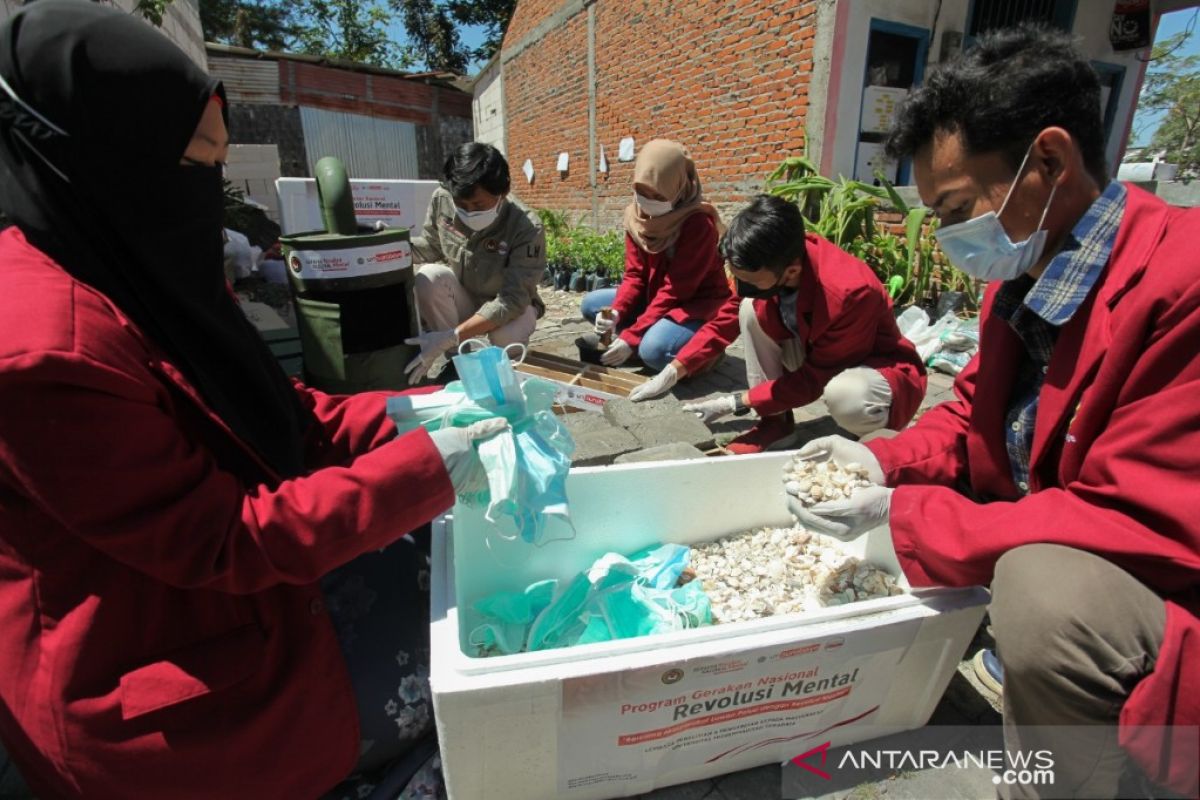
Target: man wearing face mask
x,y
1064,474
480,259
817,325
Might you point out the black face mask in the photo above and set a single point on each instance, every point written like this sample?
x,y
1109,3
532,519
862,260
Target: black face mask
x,y
751,291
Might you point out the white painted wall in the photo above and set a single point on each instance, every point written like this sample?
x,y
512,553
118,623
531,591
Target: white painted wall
x,y
181,24
852,36
488,106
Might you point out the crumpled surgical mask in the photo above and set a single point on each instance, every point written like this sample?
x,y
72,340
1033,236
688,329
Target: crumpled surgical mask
x,y
652,208
478,220
981,247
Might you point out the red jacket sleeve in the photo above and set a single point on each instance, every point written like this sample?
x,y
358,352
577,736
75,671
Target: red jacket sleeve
x,y
1133,503
98,448
350,425
848,340
934,450
686,270
633,283
714,338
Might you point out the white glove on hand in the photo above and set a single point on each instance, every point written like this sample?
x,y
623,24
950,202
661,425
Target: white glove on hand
x,y
603,326
847,519
456,447
709,411
843,451
617,353
660,384
433,344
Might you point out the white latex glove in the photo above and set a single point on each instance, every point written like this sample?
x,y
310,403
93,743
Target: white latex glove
x,y
433,344
603,326
617,353
660,384
843,451
456,447
846,519
709,411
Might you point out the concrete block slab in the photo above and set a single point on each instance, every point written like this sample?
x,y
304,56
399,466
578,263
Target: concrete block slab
x,y
679,451
626,412
671,429
598,448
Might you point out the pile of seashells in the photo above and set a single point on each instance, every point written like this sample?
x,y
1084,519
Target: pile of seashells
x,y
815,482
771,571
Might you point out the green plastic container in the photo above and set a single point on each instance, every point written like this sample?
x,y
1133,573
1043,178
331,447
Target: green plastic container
x,y
352,288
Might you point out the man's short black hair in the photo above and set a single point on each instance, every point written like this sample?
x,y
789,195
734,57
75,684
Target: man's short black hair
x,y
767,234
472,165
1001,93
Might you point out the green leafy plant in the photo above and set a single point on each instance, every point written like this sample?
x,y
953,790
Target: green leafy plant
x,y
843,211
573,246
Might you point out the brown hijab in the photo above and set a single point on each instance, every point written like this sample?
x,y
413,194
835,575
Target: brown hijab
x,y
666,166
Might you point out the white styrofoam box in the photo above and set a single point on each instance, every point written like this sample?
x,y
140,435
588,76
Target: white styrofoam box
x,y
622,718
396,203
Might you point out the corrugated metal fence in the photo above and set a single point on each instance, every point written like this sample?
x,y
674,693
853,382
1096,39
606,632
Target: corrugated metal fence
x,y
369,147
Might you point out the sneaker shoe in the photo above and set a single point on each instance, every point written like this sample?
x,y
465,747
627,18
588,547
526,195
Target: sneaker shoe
x,y
768,431
989,670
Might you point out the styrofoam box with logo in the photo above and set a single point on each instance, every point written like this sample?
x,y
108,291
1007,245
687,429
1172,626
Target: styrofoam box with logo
x,y
622,718
396,203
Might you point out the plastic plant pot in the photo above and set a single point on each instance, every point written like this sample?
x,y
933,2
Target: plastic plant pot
x,y
578,281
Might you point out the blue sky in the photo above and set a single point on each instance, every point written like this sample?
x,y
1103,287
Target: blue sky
x,y
471,35
1145,123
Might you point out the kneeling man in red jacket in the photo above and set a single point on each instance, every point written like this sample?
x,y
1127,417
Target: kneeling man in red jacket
x,y
1064,474
817,324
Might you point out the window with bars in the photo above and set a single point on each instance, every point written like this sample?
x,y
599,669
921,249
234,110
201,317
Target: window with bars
x,y
987,15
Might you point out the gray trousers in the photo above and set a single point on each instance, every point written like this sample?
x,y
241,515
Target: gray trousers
x,y
1075,634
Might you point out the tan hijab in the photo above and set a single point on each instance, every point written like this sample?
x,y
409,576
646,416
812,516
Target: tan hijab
x,y
666,167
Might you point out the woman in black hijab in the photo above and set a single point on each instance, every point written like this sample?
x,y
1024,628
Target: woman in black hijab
x,y
172,508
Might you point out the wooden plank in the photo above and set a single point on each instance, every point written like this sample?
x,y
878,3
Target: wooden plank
x,y
613,380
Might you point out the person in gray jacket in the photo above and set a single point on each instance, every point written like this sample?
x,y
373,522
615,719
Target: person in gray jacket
x,y
479,260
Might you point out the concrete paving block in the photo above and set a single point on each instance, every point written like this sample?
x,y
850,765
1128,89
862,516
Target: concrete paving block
x,y
626,412
599,448
671,429
678,451
585,422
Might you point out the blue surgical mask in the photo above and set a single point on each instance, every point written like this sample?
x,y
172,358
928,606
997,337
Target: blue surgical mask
x,y
981,247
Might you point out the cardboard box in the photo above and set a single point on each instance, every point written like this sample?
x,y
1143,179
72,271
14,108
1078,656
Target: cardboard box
x,y
623,718
581,387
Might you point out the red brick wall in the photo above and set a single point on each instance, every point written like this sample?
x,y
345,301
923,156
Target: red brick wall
x,y
727,78
527,16
546,112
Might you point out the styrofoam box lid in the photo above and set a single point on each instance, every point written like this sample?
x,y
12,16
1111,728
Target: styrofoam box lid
x,y
624,508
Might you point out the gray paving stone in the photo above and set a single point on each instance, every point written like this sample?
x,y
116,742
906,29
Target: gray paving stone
x,y
676,451
599,448
626,412
672,428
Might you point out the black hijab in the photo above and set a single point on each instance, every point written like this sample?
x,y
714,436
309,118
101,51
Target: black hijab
x,y
96,109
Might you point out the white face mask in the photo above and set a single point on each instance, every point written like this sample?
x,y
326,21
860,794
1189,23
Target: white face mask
x,y
478,220
652,208
981,247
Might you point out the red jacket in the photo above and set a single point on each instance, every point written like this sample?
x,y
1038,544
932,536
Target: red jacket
x,y
1115,464
686,281
162,633
845,320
